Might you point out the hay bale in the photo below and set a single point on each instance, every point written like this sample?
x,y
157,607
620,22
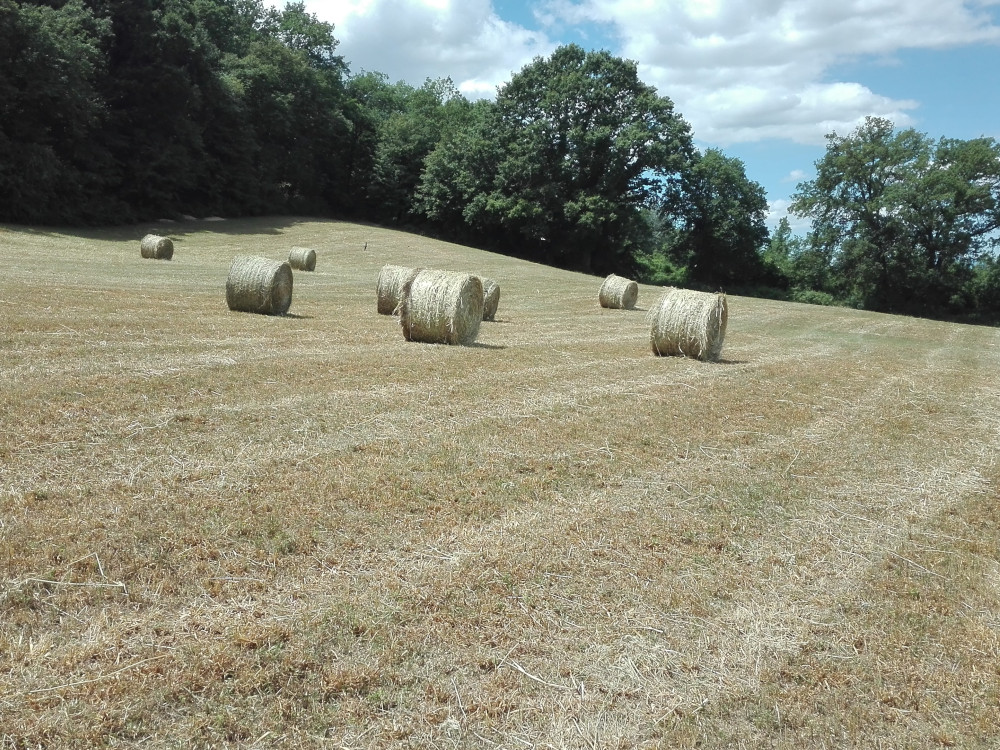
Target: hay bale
x,y
688,324
442,307
302,258
618,292
156,247
491,298
391,280
259,285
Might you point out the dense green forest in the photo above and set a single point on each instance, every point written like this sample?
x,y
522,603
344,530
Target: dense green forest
x,y
115,111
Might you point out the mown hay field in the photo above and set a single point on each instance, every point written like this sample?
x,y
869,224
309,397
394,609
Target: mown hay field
x,y
235,530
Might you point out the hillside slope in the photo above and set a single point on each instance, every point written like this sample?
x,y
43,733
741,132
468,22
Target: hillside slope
x,y
228,529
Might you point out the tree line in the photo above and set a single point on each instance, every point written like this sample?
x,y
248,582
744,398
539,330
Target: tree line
x,y
115,111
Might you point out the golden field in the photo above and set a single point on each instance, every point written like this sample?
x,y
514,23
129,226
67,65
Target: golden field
x,y
221,529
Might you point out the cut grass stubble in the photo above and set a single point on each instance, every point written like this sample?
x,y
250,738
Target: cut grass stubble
x,y
526,542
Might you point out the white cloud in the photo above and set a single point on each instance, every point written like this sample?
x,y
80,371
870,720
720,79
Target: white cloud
x,y
737,70
778,210
745,70
412,40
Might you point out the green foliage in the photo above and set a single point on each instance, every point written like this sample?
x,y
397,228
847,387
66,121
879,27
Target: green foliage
x,y
561,166
656,268
901,220
985,286
115,110
718,215
50,62
405,124
812,297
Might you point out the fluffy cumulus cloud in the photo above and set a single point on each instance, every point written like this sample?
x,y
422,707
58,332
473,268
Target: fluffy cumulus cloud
x,y
412,40
738,70
746,70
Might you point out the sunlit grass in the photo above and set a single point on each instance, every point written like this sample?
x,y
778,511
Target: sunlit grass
x,y
220,528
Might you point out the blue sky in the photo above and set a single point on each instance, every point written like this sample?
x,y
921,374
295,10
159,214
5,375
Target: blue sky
x,y
762,80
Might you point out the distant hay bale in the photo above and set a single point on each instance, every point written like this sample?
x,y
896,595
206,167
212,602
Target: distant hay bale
x,y
442,307
618,292
391,280
302,258
259,285
688,324
156,247
491,298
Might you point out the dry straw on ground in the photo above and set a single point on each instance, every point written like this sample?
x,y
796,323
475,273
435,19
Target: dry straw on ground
x,y
156,247
259,285
442,307
618,292
688,324
491,298
305,535
302,258
391,280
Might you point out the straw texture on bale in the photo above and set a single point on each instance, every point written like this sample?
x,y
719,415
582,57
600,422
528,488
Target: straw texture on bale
x,y
491,298
391,280
686,323
618,292
259,285
156,247
442,307
302,258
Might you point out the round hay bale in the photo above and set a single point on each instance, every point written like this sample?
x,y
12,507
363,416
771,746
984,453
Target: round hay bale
x,y
259,285
156,247
618,292
391,280
442,307
686,323
302,258
491,298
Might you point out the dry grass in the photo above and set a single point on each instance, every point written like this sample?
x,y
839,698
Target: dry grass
x,y
239,530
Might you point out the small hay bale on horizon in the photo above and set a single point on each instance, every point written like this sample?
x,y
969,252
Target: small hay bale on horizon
x,y
156,247
389,287
302,258
442,307
491,297
259,285
687,323
618,293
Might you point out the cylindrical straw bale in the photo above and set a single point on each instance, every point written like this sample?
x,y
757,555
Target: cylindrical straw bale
x,y
491,298
442,307
618,292
156,247
688,324
302,258
259,285
391,280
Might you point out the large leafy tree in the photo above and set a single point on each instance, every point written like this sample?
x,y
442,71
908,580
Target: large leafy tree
x,y
564,162
112,110
51,62
718,216
904,219
164,104
401,126
289,84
